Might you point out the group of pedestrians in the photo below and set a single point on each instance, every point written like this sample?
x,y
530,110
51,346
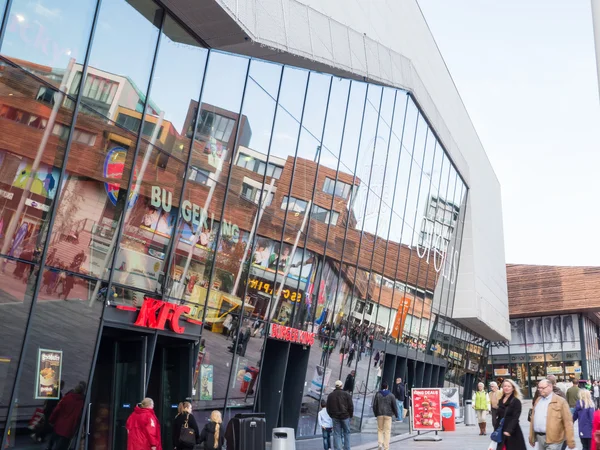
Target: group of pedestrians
x,y
143,429
551,416
337,411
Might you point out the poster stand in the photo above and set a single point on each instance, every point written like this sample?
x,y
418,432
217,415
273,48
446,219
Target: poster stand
x,y
427,437
425,413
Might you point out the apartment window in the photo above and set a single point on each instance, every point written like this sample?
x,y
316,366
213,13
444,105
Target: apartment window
x,y
370,308
133,124
17,115
215,125
83,137
339,188
253,194
96,88
295,204
324,215
359,307
46,95
258,166
200,176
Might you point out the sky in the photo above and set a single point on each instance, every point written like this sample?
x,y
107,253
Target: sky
x,y
526,72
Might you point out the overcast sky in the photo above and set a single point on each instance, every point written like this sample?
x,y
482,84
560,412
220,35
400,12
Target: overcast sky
x,y
526,72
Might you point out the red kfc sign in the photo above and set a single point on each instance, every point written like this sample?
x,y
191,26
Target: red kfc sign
x,y
291,334
155,314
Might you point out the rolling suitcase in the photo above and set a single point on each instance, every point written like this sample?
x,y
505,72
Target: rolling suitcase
x,y
247,432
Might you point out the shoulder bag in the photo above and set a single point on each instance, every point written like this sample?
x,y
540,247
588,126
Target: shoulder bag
x,y
496,435
187,435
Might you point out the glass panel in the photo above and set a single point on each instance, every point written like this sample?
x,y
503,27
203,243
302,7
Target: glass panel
x,y
30,163
259,110
61,346
16,287
49,37
175,89
124,63
202,200
92,198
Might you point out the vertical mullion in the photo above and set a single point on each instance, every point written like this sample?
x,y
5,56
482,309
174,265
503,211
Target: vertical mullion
x,y
4,22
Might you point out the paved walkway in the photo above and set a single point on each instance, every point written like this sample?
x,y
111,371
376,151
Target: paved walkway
x,y
464,438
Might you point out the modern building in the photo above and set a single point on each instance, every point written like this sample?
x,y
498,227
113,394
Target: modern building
x,y
228,206
554,326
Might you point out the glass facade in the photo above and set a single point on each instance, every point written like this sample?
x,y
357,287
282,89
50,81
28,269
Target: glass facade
x,y
157,197
542,346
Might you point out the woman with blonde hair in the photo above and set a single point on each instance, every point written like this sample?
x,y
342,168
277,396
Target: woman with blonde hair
x,y
584,412
185,428
211,435
509,411
143,429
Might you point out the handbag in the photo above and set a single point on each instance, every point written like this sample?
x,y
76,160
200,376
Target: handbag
x,y
187,435
529,414
496,435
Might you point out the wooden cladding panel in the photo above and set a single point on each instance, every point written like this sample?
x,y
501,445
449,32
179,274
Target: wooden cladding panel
x,y
557,289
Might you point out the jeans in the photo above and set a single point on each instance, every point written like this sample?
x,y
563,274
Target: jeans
x,y
384,430
341,434
400,405
327,438
541,440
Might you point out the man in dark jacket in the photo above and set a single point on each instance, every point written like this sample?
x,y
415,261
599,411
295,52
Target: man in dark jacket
x,y
400,393
341,409
384,407
349,384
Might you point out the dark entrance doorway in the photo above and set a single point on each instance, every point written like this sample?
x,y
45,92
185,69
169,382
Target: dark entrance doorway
x,y
132,365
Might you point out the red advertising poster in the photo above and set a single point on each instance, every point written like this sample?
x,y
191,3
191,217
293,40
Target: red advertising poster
x,y
427,409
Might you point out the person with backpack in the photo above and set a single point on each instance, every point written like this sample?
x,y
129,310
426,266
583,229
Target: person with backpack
x,y
211,435
185,428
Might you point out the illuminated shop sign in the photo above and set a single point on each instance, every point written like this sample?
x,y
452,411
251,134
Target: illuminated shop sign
x,y
435,246
114,163
193,213
267,288
289,334
155,314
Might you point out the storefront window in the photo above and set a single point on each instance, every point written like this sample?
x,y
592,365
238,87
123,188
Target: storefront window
x,y
60,349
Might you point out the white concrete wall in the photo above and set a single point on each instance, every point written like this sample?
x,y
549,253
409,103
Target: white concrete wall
x,y
389,42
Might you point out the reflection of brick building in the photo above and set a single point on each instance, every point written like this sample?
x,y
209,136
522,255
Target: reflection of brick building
x,y
330,211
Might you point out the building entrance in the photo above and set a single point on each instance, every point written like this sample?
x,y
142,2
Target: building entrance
x,y
130,366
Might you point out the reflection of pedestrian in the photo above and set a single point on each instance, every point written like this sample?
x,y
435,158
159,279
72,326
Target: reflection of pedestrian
x,y
556,328
65,418
349,384
567,327
49,408
384,408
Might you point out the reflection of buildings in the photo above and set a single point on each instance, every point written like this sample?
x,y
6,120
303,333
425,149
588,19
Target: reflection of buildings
x,y
175,206
438,223
563,341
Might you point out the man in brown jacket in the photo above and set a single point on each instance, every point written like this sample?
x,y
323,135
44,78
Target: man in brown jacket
x,y
551,420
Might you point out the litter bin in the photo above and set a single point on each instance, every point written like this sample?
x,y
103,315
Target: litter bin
x,y
448,417
283,439
470,417
247,432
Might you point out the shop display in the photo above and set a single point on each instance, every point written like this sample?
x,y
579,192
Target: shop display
x,y
427,409
49,368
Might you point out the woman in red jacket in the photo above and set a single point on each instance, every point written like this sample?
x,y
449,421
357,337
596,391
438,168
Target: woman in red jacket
x,y
143,429
596,431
